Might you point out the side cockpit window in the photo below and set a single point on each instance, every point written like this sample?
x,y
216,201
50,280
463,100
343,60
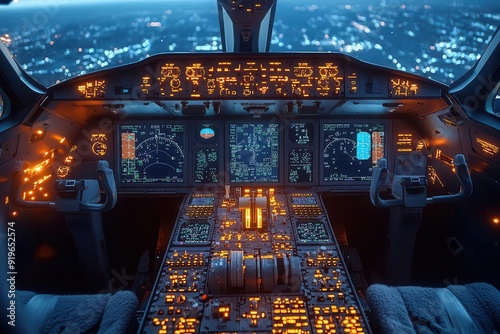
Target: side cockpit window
x,y
493,100
3,105
496,104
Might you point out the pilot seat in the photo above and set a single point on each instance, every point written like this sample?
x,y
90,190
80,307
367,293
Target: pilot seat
x,y
80,202
458,309
401,308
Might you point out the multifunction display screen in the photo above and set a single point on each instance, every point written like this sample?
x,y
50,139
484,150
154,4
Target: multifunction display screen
x,y
300,161
254,152
300,153
206,165
151,153
351,150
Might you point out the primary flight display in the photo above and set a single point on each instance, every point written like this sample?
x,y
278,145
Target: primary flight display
x,y
151,153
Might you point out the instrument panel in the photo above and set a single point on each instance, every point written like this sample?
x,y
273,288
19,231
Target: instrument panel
x,y
168,154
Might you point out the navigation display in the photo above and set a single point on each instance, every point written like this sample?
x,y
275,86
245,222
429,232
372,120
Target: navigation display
x,y
254,152
151,153
351,150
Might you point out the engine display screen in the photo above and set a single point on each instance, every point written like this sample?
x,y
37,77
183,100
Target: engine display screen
x,y
254,152
301,152
206,165
351,150
300,162
151,153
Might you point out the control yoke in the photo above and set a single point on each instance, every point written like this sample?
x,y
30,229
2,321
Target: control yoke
x,y
410,197
414,187
79,201
72,195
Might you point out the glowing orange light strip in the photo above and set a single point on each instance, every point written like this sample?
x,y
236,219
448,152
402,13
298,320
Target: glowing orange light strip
x,y
247,218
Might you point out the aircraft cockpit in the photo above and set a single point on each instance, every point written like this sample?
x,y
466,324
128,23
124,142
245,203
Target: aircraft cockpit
x,y
249,190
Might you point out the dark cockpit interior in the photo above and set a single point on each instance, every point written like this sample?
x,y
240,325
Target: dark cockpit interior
x,y
250,191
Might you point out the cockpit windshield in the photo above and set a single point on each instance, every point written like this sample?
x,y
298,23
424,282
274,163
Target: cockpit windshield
x,y
249,166
57,40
